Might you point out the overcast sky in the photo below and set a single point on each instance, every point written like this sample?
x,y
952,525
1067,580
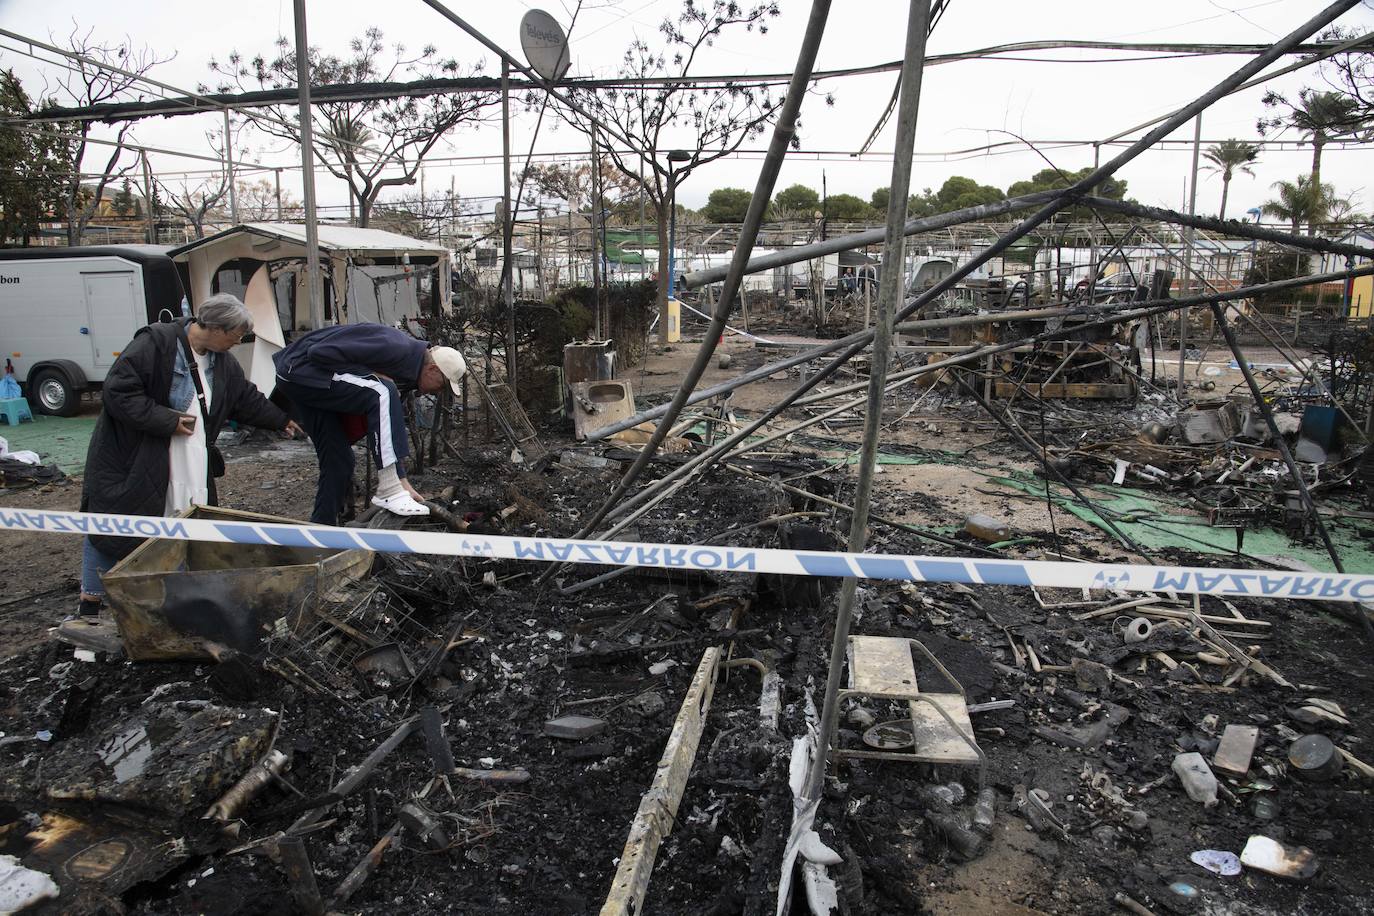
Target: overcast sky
x,y
967,104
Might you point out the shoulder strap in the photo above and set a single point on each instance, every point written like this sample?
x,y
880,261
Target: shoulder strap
x,y
194,368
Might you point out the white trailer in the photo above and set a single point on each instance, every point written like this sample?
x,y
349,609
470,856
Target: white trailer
x,y
66,313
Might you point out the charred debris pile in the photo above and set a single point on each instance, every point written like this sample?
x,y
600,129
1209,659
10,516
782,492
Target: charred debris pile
x,y
438,732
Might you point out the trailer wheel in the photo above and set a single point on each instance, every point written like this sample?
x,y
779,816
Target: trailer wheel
x,y
53,394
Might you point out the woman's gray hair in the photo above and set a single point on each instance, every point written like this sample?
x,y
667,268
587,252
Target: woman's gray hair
x,y
226,312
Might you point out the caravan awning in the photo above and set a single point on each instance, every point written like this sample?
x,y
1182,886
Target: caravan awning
x,y
332,238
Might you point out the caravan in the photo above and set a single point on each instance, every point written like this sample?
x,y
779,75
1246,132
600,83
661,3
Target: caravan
x,y
65,314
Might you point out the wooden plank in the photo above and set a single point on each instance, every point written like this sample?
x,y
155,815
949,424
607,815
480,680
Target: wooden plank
x,y
1094,390
881,666
658,807
1247,662
1167,614
1235,750
935,742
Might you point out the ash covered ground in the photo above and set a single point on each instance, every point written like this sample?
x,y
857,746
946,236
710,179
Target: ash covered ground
x,y
1087,806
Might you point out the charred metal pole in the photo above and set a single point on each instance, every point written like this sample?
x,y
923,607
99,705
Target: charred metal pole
x,y
1062,199
436,742
801,253
1188,256
1029,445
357,775
1278,345
889,295
783,132
1141,310
507,231
1220,315
1234,227
313,280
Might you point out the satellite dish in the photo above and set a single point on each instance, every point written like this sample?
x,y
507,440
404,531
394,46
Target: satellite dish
x,y
546,47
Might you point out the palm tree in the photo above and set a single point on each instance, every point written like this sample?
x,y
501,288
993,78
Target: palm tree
x,y
1321,116
1342,213
1229,157
1299,201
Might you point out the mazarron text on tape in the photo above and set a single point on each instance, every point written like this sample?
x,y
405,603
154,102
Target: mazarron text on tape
x,y
1319,586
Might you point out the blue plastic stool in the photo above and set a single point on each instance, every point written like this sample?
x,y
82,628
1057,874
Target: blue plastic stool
x,y
15,410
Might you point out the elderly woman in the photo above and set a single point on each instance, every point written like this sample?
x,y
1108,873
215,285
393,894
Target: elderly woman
x,y
162,406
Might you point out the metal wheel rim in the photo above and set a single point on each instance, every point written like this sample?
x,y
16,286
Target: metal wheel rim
x,y
52,394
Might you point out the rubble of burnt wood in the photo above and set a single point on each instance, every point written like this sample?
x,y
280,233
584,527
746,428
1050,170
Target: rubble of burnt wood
x,y
1223,458
440,730
445,733
1163,755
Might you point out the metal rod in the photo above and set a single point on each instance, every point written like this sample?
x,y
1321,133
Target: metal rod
x,y
1039,455
365,867
643,261
1234,227
889,295
799,253
1312,53
1280,443
783,132
1279,345
1321,52
1077,190
507,228
313,279
229,168
359,774
436,742
895,382
672,241
1188,256
598,323
701,462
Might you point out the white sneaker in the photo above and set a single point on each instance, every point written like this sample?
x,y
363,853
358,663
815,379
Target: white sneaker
x,y
400,504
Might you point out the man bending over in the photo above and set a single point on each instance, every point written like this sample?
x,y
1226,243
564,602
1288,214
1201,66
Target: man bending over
x,y
338,375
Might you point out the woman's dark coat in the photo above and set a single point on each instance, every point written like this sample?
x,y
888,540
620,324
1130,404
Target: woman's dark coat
x,y
127,466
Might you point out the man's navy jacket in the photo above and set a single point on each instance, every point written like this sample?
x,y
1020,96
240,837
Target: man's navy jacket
x,y
357,349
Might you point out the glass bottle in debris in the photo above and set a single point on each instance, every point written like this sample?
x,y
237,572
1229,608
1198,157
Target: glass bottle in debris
x,y
986,528
1197,778
985,809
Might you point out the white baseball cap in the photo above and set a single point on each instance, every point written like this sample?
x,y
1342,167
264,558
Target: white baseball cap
x,y
452,364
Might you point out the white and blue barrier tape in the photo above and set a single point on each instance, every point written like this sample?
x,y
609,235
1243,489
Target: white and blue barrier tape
x,y
1318,586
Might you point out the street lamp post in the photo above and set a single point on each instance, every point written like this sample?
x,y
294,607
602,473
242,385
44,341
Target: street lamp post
x,y
677,155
